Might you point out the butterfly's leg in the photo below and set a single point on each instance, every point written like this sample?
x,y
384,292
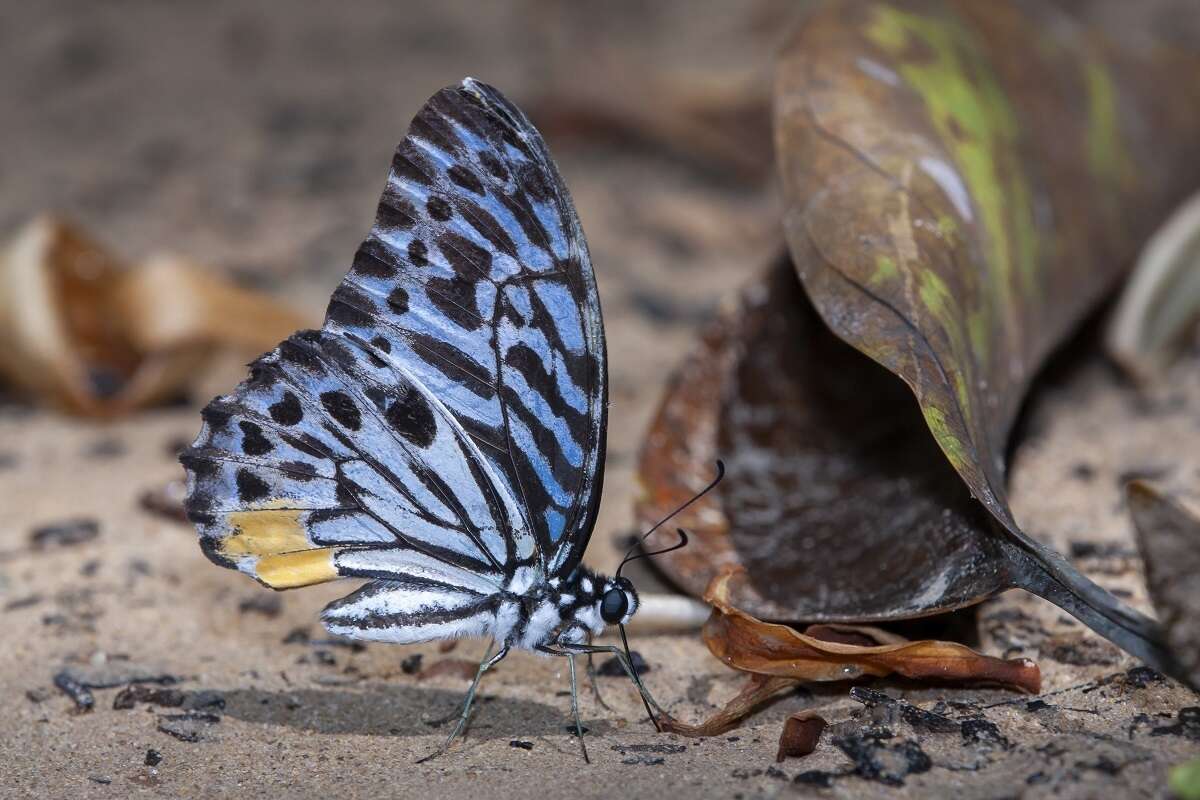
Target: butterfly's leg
x,y
570,656
575,710
629,670
591,673
484,665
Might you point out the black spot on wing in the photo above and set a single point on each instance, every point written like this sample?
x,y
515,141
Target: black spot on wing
x,y
395,212
326,515
465,178
344,493
579,367
310,445
493,165
411,417
397,300
292,352
348,306
254,443
519,207
212,547
367,262
381,344
455,298
287,410
467,259
410,165
432,127
534,491
250,487
418,253
455,365
377,395
216,415
547,439
533,178
202,467
525,360
299,470
341,408
482,221
439,209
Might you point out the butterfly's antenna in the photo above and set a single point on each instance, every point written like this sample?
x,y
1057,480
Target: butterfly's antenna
x,y
659,524
629,556
683,540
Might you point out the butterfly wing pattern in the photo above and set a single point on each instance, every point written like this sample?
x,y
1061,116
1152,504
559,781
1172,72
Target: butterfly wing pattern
x,y
443,433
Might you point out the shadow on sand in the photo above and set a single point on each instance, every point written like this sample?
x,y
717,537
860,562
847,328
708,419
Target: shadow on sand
x,y
378,710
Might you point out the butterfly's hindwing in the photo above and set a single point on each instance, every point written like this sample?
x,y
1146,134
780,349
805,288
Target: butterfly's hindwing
x,y
344,459
443,433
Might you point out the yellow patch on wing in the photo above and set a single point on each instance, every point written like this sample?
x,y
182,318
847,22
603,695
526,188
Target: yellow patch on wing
x,y
302,568
265,533
283,556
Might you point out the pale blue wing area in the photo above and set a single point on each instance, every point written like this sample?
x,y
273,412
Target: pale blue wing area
x,y
476,280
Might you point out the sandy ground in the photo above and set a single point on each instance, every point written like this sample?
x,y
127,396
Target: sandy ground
x,y
256,141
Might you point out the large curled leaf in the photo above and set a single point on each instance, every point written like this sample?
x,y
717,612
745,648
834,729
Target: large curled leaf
x,y
837,501
963,183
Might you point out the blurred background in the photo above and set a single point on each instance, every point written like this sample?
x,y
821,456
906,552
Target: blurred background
x,y
251,141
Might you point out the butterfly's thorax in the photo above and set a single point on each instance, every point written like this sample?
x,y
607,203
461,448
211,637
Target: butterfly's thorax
x,y
553,612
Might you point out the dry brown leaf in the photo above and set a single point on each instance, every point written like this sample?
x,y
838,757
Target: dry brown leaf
x,y
751,645
1161,302
1168,537
88,334
779,658
758,690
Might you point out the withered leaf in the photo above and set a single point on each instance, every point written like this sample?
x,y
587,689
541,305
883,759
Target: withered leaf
x,y
751,645
1168,535
757,690
957,199
91,335
779,658
1161,302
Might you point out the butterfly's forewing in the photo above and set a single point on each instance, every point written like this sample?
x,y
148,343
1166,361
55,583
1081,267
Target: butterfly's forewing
x,y
447,423
476,277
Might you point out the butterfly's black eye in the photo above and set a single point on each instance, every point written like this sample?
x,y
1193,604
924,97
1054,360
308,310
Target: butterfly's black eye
x,y
613,606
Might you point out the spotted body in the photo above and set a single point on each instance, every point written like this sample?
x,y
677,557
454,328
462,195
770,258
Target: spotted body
x,y
443,434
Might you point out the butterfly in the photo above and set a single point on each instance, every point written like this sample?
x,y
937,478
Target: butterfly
x,y
443,434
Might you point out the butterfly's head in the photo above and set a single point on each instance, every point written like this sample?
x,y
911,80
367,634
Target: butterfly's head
x,y
618,601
